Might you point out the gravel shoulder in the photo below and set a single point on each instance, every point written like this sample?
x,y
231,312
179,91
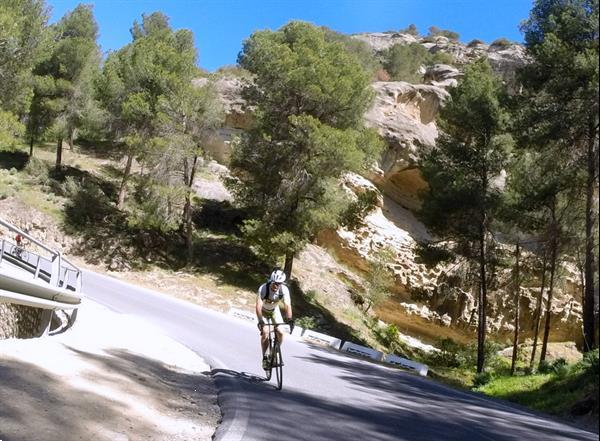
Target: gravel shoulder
x,y
110,377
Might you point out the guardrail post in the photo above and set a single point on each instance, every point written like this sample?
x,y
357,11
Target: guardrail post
x,y
2,251
55,276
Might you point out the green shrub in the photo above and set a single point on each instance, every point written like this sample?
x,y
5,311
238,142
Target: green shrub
x,y
544,367
306,322
560,368
475,42
310,295
70,187
501,42
38,170
482,379
590,362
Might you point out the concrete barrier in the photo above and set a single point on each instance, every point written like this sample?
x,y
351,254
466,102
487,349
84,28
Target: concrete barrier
x,y
297,331
244,315
362,351
421,369
317,337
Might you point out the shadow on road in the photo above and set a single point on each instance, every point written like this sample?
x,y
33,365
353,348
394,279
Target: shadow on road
x,y
122,397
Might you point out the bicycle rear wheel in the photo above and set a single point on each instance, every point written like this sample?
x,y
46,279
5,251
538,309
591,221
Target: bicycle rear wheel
x,y
278,362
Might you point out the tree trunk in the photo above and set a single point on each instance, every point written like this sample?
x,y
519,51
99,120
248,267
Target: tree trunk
x,y
187,213
71,137
289,261
517,288
31,141
553,257
589,332
481,325
123,189
59,147
538,310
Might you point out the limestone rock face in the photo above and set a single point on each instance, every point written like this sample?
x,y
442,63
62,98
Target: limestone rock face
x,y
404,115
442,75
504,58
238,116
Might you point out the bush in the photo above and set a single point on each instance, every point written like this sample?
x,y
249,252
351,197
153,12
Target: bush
x,y
38,170
501,42
310,295
482,379
560,368
475,42
544,367
590,362
70,187
306,322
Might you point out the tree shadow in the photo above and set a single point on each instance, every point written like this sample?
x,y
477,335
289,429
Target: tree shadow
x,y
44,406
393,406
17,160
100,149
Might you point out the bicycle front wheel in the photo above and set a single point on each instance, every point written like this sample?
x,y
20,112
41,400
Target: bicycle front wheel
x,y
278,361
269,369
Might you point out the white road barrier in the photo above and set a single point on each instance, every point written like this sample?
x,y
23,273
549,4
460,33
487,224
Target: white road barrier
x,y
351,348
362,351
317,337
407,364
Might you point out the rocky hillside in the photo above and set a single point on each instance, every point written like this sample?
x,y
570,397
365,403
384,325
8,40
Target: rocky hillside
x,y
427,301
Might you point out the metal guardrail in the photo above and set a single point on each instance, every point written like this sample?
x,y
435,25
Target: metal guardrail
x,y
51,270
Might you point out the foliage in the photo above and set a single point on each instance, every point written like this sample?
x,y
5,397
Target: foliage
x,y
379,279
388,335
501,42
356,48
354,215
434,31
38,170
310,94
404,61
10,130
482,378
475,42
411,29
140,82
64,78
306,322
22,39
561,106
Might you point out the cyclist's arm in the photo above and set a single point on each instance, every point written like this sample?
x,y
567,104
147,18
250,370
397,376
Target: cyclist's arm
x,y
288,311
287,302
259,306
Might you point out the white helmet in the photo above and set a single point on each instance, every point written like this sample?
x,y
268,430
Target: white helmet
x,y
277,276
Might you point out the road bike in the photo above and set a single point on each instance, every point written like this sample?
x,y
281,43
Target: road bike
x,y
273,354
19,252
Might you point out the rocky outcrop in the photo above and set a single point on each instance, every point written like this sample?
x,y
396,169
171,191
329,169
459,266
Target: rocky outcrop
x,y
504,58
404,115
238,116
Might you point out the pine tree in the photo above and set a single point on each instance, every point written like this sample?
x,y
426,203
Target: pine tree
x,y
462,171
310,95
562,85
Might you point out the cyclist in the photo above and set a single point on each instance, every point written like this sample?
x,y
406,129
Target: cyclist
x,y
267,306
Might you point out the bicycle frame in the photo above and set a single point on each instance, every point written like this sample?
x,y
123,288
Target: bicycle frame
x,y
273,353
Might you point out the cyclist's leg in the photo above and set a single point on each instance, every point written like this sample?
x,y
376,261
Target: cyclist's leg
x,y
278,330
264,337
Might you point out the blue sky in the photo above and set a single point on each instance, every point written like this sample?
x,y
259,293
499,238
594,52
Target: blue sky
x,y
220,26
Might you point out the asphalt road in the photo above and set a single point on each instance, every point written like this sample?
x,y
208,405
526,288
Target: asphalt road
x,y
326,395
